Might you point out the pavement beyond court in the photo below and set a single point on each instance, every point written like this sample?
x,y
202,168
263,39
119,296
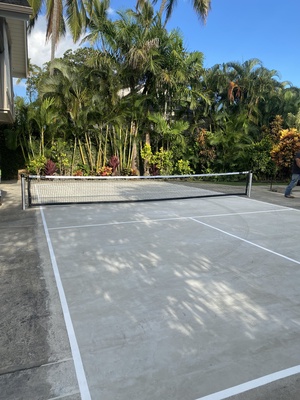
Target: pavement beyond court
x,y
35,357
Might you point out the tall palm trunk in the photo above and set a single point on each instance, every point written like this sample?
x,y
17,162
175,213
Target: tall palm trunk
x,y
146,160
55,30
134,154
42,143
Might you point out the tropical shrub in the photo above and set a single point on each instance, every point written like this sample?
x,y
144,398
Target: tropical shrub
x,y
59,154
206,151
78,172
36,165
283,153
105,171
161,162
125,171
129,172
259,159
182,167
84,168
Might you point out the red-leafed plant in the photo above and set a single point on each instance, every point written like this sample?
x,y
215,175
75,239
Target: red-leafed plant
x,y
50,168
114,163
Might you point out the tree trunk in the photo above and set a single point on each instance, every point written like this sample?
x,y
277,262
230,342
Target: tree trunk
x,y
134,155
81,152
89,150
74,155
146,161
54,33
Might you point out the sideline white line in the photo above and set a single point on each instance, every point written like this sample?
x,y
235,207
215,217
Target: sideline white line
x,y
246,241
166,219
82,382
244,387
266,202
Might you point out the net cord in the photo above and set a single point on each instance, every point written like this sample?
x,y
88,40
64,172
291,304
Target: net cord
x,y
119,177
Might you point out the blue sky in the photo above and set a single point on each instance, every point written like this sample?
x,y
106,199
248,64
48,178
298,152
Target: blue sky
x,y
236,30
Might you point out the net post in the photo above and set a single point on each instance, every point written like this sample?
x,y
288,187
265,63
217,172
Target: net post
x,y
28,192
249,186
23,192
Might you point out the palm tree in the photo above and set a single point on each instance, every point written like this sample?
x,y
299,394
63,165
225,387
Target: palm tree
x,y
250,86
44,117
133,43
76,15
68,88
201,7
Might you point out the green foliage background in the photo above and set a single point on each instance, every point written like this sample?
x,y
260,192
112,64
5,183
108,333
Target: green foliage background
x,y
137,86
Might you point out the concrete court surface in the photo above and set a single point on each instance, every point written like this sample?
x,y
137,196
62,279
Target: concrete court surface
x,y
177,300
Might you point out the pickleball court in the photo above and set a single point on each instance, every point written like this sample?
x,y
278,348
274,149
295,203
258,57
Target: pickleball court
x,y
182,299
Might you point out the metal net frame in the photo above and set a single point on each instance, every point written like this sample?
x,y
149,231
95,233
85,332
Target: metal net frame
x,y
50,190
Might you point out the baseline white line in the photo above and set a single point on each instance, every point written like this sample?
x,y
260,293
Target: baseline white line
x,y
244,387
81,378
166,219
246,241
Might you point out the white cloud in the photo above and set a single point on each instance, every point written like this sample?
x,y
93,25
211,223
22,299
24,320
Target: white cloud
x,y
111,11
39,51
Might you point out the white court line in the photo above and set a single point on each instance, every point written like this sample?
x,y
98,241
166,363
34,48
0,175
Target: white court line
x,y
224,394
166,219
247,241
147,221
82,382
266,202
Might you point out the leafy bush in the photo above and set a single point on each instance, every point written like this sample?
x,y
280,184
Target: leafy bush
x,y
84,168
36,165
206,151
283,153
105,171
183,167
129,172
146,152
161,163
258,158
125,172
78,172
60,153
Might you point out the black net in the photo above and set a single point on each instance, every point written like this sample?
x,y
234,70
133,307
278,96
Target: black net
x,y
95,189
